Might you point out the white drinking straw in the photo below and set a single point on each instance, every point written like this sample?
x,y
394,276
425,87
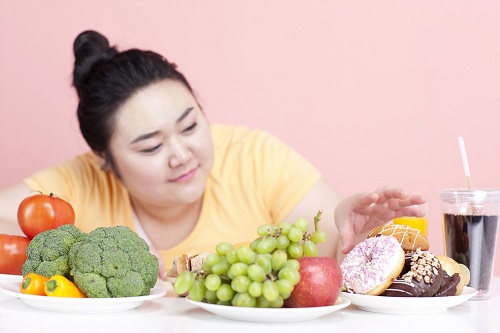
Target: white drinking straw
x,y
465,161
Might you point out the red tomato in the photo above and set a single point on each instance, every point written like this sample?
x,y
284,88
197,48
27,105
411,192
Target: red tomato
x,y
41,212
12,253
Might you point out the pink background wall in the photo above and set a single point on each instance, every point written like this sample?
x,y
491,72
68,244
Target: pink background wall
x,y
372,92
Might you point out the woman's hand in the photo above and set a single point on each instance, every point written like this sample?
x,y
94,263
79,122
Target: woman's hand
x,y
362,212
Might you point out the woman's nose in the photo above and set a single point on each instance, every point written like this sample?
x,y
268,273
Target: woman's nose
x,y
180,154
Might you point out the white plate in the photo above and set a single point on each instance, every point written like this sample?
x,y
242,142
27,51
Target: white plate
x,y
9,278
261,315
408,305
81,305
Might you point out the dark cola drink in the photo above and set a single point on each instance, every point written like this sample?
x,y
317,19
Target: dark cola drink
x,y
470,240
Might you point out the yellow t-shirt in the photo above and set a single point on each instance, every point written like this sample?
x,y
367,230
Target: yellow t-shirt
x,y
256,179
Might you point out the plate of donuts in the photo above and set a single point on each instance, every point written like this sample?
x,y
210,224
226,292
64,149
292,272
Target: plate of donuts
x,y
408,305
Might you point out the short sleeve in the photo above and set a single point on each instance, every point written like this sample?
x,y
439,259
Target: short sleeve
x,y
285,175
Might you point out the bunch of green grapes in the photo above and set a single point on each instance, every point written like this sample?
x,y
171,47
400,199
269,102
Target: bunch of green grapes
x,y
260,275
292,238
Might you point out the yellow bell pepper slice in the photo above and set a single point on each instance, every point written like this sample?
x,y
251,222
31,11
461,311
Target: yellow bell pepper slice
x,y
60,286
33,284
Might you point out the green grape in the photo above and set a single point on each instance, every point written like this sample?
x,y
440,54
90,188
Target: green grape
x,y
213,282
225,293
184,282
270,290
237,269
302,224
223,247
289,274
285,287
295,250
206,268
277,303
318,236
273,230
244,300
232,256
219,302
264,261
220,267
285,227
262,302
262,230
241,283
212,259
246,255
266,230
282,242
293,264
278,259
266,245
255,289
256,273
253,244
197,291
310,249
295,235
211,296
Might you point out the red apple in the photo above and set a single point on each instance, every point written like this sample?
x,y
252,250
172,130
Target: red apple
x,y
319,285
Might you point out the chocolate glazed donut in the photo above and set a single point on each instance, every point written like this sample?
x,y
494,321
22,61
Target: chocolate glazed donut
x,y
422,276
449,285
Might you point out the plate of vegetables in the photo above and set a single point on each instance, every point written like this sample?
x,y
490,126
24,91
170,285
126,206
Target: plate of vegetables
x,y
81,304
10,278
110,269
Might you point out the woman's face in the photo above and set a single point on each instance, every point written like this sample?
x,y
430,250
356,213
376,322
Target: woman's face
x,y
162,146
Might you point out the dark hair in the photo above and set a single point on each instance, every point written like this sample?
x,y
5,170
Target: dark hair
x,y
105,78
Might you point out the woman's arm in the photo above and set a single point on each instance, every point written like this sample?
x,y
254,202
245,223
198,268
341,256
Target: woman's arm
x,y
10,198
320,197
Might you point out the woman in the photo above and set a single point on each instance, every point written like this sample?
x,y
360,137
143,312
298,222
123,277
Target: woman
x,y
158,166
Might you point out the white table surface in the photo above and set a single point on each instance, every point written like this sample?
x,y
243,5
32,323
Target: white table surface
x,y
174,314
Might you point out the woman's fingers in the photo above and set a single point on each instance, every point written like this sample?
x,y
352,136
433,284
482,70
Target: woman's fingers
x,y
364,211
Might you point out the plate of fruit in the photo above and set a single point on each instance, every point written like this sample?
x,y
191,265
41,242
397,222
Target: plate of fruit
x,y
278,277
271,315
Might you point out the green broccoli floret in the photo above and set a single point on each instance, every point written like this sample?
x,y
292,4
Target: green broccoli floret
x,y
113,262
47,253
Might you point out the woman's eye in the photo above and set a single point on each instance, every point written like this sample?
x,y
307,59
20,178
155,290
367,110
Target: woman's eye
x,y
152,149
190,128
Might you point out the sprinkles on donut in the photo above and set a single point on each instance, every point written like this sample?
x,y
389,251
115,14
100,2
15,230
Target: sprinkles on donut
x,y
372,265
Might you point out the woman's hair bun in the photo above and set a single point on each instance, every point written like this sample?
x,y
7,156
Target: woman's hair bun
x,y
90,49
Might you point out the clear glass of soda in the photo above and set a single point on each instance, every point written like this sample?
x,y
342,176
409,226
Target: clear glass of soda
x,y
470,227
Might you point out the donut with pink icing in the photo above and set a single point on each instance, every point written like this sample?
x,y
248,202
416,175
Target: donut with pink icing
x,y
372,265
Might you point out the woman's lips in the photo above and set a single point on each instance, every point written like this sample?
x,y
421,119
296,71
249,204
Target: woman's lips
x,y
185,177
